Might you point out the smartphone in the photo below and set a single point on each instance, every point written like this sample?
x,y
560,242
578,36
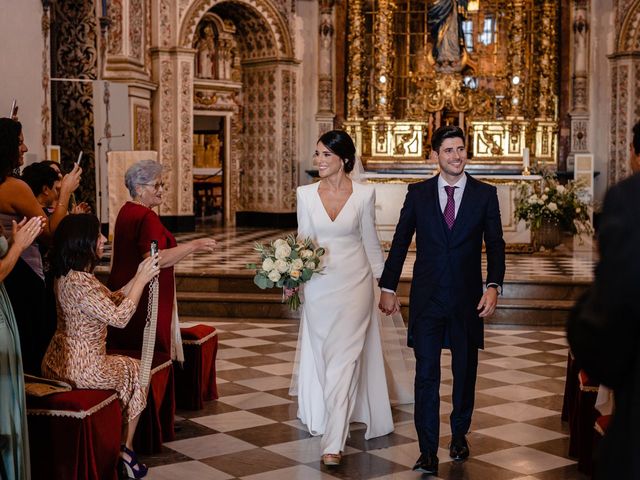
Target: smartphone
x,y
79,158
14,108
153,248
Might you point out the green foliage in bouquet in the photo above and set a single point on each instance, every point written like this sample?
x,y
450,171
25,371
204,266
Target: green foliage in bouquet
x,y
287,263
547,199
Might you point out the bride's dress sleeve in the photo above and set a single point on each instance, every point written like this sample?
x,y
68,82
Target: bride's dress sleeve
x,y
304,219
370,235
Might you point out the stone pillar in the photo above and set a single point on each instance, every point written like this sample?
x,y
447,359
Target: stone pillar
x,y
326,113
173,126
580,78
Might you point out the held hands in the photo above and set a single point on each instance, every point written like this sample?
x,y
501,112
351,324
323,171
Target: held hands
x,y
149,268
82,207
204,245
389,303
25,232
488,302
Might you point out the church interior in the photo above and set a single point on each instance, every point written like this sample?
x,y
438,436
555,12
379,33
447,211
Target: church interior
x,y
230,97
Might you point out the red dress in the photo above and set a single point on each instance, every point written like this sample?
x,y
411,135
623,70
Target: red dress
x,y
136,226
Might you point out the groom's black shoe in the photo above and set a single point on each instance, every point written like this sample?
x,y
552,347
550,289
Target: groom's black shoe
x,y
427,463
459,448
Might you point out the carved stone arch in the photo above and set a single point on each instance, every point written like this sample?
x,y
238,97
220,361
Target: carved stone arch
x,y
629,34
278,28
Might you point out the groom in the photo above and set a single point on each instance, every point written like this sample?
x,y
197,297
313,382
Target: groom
x,y
450,214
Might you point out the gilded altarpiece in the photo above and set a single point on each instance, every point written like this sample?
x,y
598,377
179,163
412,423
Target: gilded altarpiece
x,y
488,66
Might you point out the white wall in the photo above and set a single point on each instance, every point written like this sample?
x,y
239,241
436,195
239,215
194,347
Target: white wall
x,y
307,51
21,67
602,31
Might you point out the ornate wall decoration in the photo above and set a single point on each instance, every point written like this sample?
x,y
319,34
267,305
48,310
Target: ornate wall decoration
x,y
579,130
613,130
142,127
325,58
628,38
136,28
516,62
166,139
356,50
165,23
147,37
115,30
618,161
74,56
262,9
186,138
383,59
260,189
546,60
45,111
289,166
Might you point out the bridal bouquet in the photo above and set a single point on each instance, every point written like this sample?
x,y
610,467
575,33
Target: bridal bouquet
x,y
287,263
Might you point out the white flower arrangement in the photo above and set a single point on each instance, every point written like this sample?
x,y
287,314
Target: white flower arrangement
x,y
287,263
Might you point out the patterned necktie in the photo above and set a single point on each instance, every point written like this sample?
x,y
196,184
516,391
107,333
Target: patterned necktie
x,y
450,208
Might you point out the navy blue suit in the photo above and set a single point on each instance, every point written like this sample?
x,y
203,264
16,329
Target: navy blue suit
x,y
445,291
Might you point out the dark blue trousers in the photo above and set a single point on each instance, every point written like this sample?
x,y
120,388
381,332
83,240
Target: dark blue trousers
x,y
438,326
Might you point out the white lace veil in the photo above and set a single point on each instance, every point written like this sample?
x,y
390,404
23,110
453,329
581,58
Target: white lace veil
x,y
357,174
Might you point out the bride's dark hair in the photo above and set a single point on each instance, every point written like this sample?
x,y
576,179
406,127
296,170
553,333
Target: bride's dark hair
x,y
340,143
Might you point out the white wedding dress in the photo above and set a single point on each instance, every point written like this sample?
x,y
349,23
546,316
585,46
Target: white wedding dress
x,y
340,370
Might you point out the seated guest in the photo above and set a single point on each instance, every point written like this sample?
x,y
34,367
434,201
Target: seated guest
x,y
77,353
136,225
25,284
14,462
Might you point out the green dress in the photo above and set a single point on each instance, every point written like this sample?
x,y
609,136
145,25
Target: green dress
x,y
13,411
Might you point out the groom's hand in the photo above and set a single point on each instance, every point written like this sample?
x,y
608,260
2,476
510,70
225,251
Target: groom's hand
x,y
488,302
389,303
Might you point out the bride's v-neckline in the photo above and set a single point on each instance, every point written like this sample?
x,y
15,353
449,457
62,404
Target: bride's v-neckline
x,y
326,212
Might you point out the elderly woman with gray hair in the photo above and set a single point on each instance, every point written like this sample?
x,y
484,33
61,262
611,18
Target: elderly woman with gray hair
x,y
137,224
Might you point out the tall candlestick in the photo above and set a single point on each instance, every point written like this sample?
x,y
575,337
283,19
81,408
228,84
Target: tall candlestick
x,y
525,161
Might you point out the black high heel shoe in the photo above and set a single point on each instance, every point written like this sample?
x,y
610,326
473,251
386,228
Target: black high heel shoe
x,y
132,468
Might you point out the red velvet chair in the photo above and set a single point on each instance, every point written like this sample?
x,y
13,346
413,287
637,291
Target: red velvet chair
x,y
196,378
74,435
581,423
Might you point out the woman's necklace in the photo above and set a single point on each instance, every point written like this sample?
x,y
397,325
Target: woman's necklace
x,y
139,203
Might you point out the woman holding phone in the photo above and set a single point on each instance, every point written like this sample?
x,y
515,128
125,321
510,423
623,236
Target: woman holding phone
x,y
77,353
25,284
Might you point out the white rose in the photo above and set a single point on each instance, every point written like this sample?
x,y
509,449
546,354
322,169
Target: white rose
x,y
546,189
533,199
306,253
268,265
283,251
310,265
578,210
540,202
295,274
552,207
274,275
297,264
279,242
544,198
560,189
281,265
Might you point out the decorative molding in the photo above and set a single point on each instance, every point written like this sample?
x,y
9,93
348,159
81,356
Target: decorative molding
x,y
136,29
289,165
142,127
166,140
278,26
165,23
325,58
45,110
186,138
356,51
116,28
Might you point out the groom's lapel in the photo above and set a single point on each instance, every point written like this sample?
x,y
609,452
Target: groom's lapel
x,y
435,218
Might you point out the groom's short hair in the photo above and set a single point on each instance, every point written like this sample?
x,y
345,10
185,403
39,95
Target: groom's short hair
x,y
442,133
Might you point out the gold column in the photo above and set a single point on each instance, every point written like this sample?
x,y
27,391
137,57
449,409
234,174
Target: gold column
x,y
516,61
548,60
383,33
356,47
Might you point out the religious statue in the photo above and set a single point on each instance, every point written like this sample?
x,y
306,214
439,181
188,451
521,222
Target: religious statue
x,y
444,19
206,53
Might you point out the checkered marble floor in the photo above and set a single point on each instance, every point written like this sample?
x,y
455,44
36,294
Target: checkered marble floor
x,y
251,431
235,250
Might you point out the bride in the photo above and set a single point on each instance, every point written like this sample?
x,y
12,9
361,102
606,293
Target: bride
x,y
340,367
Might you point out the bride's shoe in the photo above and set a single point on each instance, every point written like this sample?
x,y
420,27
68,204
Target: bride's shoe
x,y
331,459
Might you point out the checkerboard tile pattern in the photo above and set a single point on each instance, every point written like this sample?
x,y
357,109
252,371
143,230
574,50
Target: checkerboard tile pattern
x,y
252,432
235,250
